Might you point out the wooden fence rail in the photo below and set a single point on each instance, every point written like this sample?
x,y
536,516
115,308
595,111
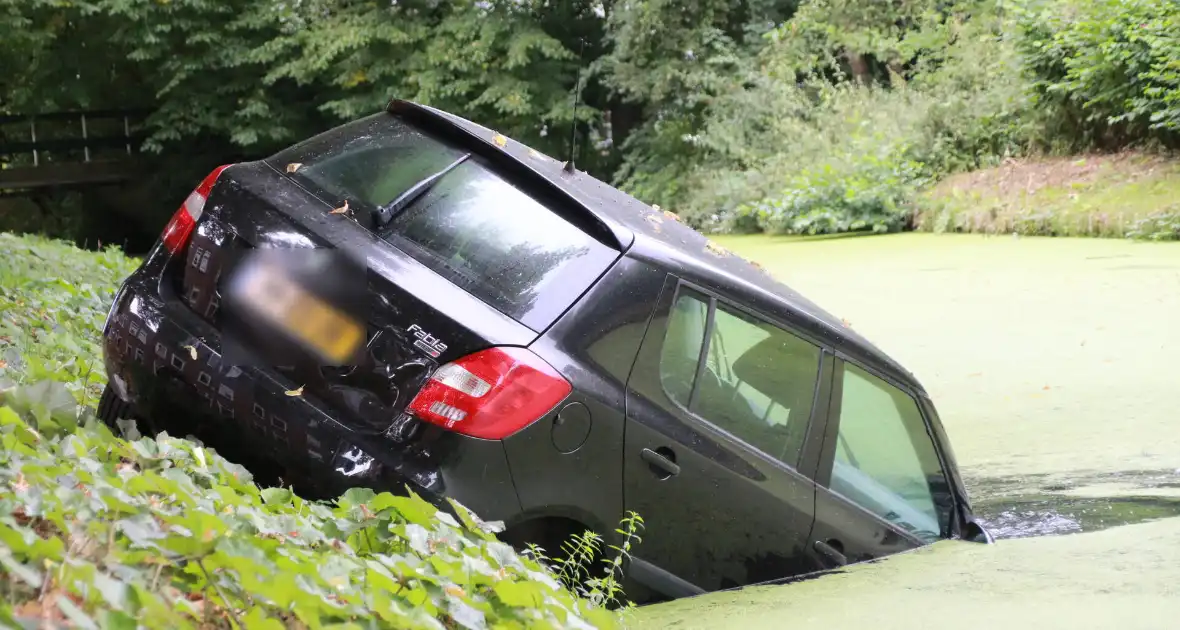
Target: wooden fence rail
x,y
68,149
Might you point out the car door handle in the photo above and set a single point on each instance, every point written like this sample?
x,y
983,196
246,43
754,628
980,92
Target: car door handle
x,y
661,461
831,552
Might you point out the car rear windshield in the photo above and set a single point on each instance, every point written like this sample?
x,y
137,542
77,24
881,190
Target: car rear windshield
x,y
472,226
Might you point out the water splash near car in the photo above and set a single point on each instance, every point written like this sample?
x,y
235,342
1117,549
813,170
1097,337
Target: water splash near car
x,y
1048,505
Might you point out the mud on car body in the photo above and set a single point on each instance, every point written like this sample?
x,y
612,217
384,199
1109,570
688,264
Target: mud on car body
x,y
413,301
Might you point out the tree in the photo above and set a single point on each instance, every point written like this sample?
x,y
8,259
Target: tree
x,y
672,58
865,40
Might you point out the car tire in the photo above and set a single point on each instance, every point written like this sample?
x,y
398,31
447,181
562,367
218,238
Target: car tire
x,y
112,408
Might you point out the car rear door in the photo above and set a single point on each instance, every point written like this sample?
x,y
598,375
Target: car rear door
x,y
718,409
882,477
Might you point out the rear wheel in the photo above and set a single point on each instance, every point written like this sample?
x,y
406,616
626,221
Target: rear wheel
x,y
550,534
112,408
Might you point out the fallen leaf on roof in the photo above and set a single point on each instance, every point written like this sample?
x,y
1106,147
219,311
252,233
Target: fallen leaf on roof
x,y
342,209
298,391
192,351
715,249
672,215
846,323
655,207
533,153
294,166
500,140
3,364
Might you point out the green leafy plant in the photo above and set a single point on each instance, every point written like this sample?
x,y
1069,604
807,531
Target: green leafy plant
x,y
1106,73
103,531
1159,226
800,148
106,532
575,565
53,300
865,193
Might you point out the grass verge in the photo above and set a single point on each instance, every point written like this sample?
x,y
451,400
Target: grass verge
x,y
1122,195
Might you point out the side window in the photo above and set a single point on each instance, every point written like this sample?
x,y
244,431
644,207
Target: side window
x,y
885,459
682,344
758,381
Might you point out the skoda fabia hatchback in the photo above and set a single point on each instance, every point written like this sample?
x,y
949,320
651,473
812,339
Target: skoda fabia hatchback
x,y
413,301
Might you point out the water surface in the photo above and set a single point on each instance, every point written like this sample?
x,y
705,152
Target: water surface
x,y
1125,578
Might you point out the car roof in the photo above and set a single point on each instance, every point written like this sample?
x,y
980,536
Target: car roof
x,y
659,236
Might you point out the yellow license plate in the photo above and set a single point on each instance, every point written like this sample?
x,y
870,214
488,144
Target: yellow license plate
x,y
285,305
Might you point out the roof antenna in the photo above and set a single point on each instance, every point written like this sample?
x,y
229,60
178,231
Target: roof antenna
x,y
569,166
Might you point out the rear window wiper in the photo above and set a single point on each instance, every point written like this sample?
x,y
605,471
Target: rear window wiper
x,y
382,215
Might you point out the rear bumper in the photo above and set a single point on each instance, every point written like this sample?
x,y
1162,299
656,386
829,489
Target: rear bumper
x,y
166,363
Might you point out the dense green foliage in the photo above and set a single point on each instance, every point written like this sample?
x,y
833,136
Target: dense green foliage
x,y
777,115
102,531
855,110
53,299
1105,72
164,533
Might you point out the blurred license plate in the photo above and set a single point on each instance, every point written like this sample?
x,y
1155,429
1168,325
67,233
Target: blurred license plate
x,y
284,304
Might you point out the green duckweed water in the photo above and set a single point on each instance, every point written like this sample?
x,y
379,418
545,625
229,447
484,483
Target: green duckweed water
x,y
1055,365
1125,578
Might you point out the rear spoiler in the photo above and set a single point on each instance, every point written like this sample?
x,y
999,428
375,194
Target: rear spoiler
x,y
539,175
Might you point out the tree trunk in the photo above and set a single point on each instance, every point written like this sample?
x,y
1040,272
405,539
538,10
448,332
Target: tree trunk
x,y
859,66
624,118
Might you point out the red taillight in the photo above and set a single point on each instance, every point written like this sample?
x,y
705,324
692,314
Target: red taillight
x,y
490,394
180,228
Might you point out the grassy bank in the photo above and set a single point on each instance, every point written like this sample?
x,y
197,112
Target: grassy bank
x,y
53,299
1123,195
101,531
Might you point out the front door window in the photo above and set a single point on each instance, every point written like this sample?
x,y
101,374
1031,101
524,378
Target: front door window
x,y
885,459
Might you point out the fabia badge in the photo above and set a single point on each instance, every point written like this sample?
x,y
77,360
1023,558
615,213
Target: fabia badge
x,y
427,342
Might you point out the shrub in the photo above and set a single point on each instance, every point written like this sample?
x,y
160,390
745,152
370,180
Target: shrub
x,y
161,532
971,83
830,155
860,192
979,104
1106,73
811,158
1159,226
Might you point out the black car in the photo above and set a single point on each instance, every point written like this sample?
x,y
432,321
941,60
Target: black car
x,y
413,301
